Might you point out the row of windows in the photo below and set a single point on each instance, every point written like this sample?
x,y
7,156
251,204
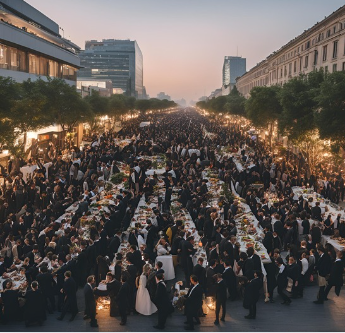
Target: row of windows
x,y
18,60
306,45
246,88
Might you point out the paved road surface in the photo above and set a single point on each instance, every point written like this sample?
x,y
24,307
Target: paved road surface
x,y
301,315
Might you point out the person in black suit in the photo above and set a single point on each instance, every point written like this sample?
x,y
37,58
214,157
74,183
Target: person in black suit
x,y
193,303
282,280
90,302
187,251
294,273
229,278
82,264
114,244
132,275
251,295
82,207
162,302
253,263
70,300
136,258
323,267
113,288
221,296
200,272
210,282
336,276
34,311
122,299
47,285
213,254
151,234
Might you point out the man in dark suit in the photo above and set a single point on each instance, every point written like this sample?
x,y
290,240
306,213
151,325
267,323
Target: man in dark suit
x,y
114,244
251,295
162,302
122,299
70,301
294,273
132,275
151,234
323,267
210,282
213,254
229,278
336,276
253,263
83,206
193,303
187,251
282,280
90,303
113,288
47,285
136,258
316,212
221,296
200,272
82,264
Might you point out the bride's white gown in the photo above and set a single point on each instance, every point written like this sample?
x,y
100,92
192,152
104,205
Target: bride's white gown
x,y
143,302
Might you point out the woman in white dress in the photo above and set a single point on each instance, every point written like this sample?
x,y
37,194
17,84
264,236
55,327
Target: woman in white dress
x,y
143,302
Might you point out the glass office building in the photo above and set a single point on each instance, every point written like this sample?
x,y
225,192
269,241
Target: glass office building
x,y
31,46
121,61
233,67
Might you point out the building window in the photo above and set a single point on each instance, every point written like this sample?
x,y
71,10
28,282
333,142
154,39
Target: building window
x,y
328,33
334,29
306,61
335,49
281,72
14,63
34,64
316,54
334,69
324,55
290,68
295,66
344,66
307,45
285,71
300,64
3,56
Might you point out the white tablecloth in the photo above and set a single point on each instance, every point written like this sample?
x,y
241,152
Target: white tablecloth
x,y
168,266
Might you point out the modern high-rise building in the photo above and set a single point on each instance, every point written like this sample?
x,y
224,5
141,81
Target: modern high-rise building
x,y
233,67
121,61
31,46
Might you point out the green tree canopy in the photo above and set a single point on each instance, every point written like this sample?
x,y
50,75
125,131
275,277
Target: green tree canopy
x,y
235,104
330,115
297,98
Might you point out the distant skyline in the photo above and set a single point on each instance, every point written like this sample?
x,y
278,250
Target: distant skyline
x,y
184,41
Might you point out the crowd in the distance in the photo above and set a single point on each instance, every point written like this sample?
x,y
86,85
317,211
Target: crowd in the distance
x,y
37,249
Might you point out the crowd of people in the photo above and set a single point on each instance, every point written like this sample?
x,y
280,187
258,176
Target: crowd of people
x,y
41,274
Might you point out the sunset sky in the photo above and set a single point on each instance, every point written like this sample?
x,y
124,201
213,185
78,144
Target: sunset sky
x,y
184,41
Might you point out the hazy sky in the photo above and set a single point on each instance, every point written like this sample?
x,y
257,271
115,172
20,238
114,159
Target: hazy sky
x,y
184,41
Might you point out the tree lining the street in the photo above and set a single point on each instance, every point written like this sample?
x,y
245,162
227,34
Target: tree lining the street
x,y
308,110
32,105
